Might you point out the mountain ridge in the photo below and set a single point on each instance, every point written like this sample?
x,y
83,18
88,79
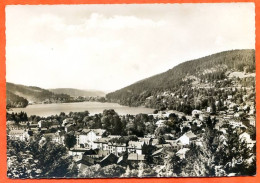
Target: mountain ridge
x,y
17,93
183,75
78,92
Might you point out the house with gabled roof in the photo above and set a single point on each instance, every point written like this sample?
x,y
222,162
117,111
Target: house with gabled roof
x,y
122,160
186,139
159,155
109,159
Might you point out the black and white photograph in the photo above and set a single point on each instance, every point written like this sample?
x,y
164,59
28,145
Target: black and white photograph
x,y
130,90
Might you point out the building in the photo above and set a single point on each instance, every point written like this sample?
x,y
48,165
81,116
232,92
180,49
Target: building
x,y
186,139
90,153
22,135
87,137
135,147
109,159
54,137
159,155
116,148
102,143
182,152
135,158
78,153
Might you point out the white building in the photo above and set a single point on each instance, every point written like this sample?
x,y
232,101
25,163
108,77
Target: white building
x,y
116,148
186,139
87,137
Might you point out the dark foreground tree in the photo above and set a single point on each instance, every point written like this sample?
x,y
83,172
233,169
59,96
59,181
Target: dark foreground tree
x,y
39,159
70,140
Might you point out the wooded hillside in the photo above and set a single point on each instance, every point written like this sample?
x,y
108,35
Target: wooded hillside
x,y
185,75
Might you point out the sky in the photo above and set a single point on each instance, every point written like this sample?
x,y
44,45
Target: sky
x,y
108,47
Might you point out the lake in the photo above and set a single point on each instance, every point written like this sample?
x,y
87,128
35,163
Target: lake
x,y
44,110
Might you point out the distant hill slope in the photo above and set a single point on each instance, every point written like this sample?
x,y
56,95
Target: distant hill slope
x,y
208,68
33,94
77,92
13,100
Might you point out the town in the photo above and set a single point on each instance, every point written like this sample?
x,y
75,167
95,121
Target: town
x,y
130,91
212,141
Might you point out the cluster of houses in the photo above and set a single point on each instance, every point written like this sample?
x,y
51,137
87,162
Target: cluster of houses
x,y
96,146
103,151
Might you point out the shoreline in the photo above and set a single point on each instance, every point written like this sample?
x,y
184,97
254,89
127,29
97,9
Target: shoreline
x,y
45,110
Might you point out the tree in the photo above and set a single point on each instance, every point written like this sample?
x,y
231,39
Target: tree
x,y
70,140
214,108
90,171
173,163
161,139
117,125
111,171
149,172
50,160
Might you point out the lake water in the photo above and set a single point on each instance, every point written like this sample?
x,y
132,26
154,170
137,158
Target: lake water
x,y
92,107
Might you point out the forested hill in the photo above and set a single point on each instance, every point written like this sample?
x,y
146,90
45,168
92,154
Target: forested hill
x,y
20,95
13,100
76,92
192,73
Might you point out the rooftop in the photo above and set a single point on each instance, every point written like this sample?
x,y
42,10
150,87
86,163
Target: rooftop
x,y
136,157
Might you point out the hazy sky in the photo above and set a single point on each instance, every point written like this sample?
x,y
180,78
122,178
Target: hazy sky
x,y
107,47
